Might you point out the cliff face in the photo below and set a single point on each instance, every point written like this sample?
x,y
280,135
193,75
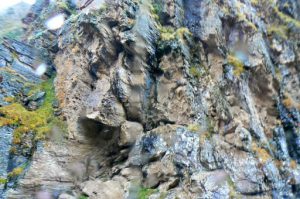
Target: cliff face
x,y
166,99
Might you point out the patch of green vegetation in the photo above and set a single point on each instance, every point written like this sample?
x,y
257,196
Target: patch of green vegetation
x,y
286,18
169,33
3,181
194,127
255,2
279,30
64,5
237,64
195,71
40,121
83,197
16,172
144,193
207,135
103,8
156,10
262,154
233,194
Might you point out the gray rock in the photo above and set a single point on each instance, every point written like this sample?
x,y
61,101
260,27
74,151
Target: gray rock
x,y
186,149
149,146
5,144
129,133
102,190
207,158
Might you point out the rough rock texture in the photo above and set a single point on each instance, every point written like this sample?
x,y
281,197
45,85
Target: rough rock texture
x,y
170,99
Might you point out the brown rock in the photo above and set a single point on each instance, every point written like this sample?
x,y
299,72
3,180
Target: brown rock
x,y
130,131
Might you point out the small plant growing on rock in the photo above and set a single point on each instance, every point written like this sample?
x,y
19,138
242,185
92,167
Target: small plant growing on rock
x,y
289,102
15,172
279,30
39,122
169,33
83,197
156,10
9,99
286,19
144,193
195,72
293,164
3,181
237,64
194,127
261,153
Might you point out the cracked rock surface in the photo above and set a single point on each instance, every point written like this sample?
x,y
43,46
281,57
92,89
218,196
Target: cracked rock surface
x,y
165,99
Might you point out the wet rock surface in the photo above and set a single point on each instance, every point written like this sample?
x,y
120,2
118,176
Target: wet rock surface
x,y
162,99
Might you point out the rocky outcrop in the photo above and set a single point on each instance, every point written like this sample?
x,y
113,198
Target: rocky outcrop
x,y
18,74
169,99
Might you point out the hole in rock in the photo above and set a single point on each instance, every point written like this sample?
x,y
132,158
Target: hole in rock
x,y
97,133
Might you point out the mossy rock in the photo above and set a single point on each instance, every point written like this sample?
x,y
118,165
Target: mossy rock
x,y
39,121
238,65
144,193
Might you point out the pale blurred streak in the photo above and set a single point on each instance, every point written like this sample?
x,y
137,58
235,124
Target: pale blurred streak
x,y
29,1
55,22
43,195
41,69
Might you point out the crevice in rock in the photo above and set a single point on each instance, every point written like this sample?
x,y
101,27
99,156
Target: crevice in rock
x,y
97,133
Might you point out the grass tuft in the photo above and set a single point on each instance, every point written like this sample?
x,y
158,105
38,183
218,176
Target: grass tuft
x,y
237,64
144,193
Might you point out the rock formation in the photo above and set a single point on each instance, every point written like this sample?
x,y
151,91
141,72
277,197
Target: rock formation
x,y
154,99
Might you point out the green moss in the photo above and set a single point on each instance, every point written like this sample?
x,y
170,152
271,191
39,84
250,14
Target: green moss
x,y
195,72
194,127
233,194
83,197
39,122
287,19
156,10
3,181
16,172
279,30
169,33
255,2
64,5
237,64
144,193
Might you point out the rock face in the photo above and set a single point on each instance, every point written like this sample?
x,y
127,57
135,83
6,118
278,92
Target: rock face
x,y
167,99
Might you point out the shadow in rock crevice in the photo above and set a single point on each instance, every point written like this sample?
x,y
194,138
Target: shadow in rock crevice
x,y
99,134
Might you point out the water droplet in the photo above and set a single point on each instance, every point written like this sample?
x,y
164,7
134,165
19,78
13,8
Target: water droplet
x,y
41,69
55,22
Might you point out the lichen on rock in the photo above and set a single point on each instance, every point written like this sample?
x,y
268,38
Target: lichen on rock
x,y
161,99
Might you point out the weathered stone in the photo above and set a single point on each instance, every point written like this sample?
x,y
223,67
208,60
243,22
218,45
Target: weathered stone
x,y
129,133
213,129
66,196
101,190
